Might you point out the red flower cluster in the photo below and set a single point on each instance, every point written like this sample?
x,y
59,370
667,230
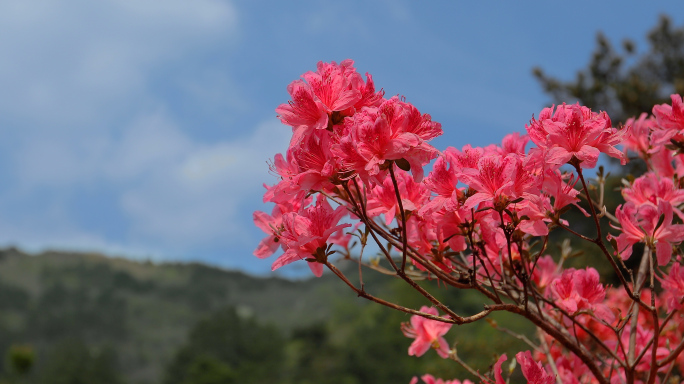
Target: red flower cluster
x,y
481,219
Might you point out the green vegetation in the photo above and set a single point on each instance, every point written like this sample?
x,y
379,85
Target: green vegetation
x,y
224,348
86,318
626,82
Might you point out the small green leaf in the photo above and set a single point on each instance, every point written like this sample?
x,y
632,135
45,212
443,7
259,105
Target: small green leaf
x,y
613,242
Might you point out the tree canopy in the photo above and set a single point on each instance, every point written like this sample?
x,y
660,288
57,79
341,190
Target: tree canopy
x,y
626,82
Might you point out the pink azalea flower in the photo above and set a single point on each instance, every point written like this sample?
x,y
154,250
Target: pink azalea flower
x,y
383,201
638,141
305,234
498,179
448,224
640,224
670,119
536,209
326,96
427,333
591,293
316,164
524,176
545,271
491,180
395,130
580,290
661,160
571,369
304,109
563,291
513,143
532,370
468,157
309,166
369,97
273,225
443,182
498,370
650,189
563,193
287,188
575,131
678,163
383,198
492,235
643,335
673,286
331,84
421,234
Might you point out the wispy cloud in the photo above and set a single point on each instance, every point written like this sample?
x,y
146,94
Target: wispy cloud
x,y
74,64
81,108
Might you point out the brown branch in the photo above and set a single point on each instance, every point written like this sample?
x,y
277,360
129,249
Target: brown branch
x,y
403,217
673,355
364,218
452,320
656,326
584,355
599,240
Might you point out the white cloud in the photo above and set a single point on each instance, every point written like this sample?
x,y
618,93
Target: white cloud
x,y
151,142
197,199
71,64
80,111
175,193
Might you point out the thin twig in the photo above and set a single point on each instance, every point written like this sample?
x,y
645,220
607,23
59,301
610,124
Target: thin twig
x,y
403,217
549,358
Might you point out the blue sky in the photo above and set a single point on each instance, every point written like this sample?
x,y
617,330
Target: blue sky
x,y
142,128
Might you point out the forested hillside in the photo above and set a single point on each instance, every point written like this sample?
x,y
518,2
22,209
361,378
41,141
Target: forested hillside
x,y
84,318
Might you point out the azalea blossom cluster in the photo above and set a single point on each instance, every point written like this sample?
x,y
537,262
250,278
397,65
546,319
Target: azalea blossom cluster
x,y
481,218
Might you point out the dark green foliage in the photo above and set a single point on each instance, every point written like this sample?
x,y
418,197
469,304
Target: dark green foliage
x,y
359,345
12,298
136,321
20,360
227,347
94,314
362,342
204,291
74,362
205,369
626,83
143,310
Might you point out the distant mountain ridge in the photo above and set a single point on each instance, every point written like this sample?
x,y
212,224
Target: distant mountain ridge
x,y
92,318
143,309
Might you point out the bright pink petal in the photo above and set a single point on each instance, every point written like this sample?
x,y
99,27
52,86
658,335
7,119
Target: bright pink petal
x,y
497,370
419,347
266,247
663,252
286,258
532,370
316,268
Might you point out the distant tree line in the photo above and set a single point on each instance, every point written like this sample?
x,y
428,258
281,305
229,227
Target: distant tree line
x,y
626,82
